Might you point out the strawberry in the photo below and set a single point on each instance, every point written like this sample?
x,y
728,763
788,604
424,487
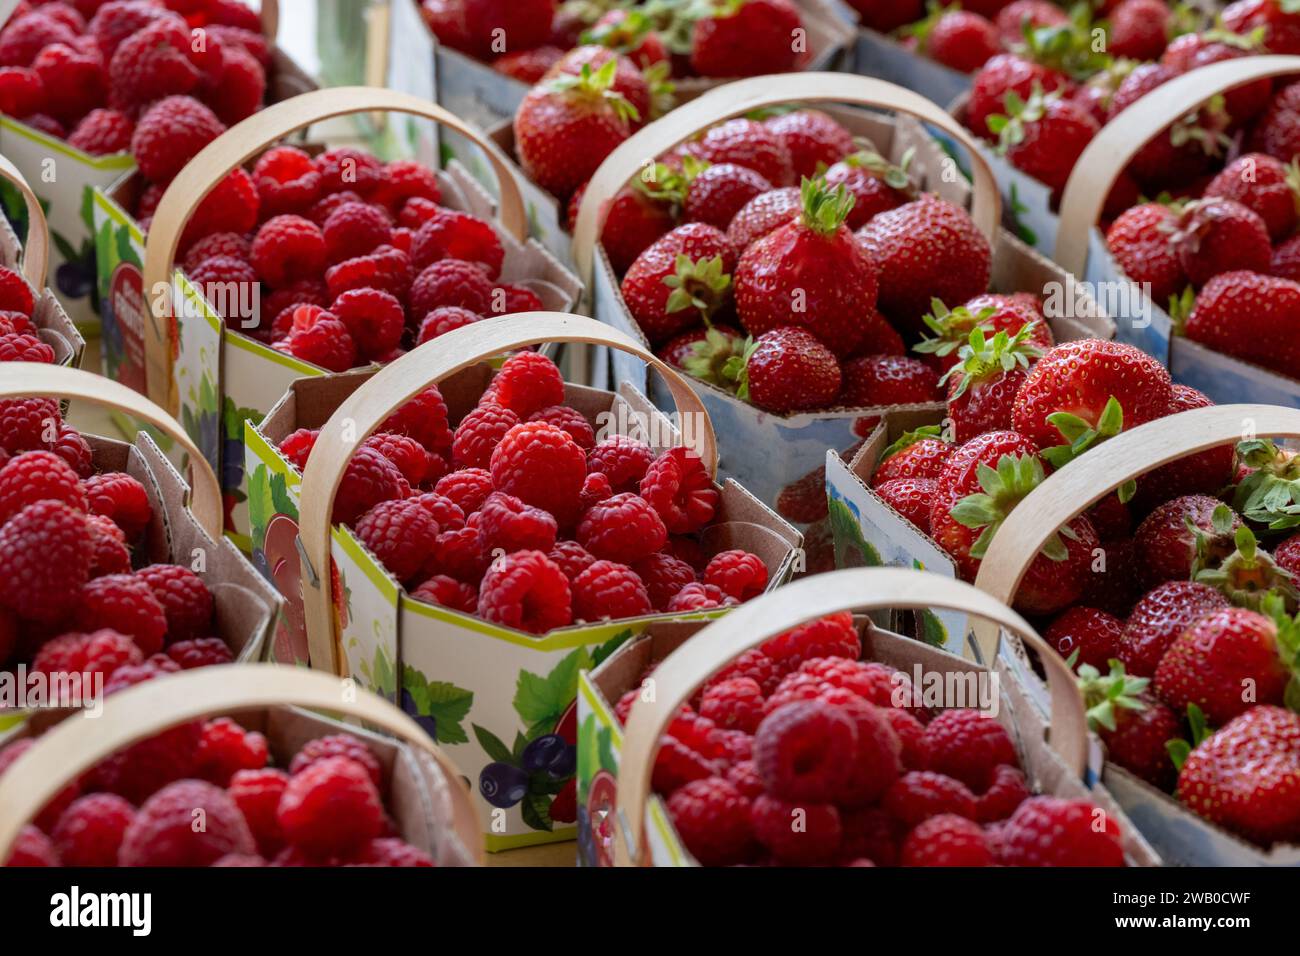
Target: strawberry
x,y
926,249
813,139
1085,636
716,193
872,381
1159,618
811,273
960,40
982,388
1044,135
762,214
749,143
916,454
680,280
639,213
746,38
628,82
1286,260
630,33
529,66
1141,240
1003,74
886,16
1021,16
1246,776
992,313
567,125
786,370
1193,50
518,24
1133,724
1269,484
703,352
1248,577
875,184
1279,21
1138,29
1218,235
1251,317
1173,538
1205,473
911,498
1182,151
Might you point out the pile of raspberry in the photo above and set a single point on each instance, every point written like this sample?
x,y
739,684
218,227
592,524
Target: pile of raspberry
x,y
20,339
798,753
137,807
521,516
71,600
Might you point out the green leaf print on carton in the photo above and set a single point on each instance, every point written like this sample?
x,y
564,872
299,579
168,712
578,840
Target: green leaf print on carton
x,y
852,550
437,706
930,628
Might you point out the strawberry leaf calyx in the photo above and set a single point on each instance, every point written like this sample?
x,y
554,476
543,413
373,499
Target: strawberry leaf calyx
x,y
1002,488
623,35
1270,494
1012,127
982,358
1080,436
908,439
1106,694
951,328
893,175
1067,47
697,284
1248,577
597,85
735,371
662,183
1178,748
824,207
921,29
708,359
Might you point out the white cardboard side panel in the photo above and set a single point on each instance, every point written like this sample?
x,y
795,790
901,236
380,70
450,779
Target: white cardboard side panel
x,y
879,56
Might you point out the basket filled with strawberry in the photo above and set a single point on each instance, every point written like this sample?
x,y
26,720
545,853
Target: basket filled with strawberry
x,y
79,82
336,261
1188,658
110,562
794,733
247,750
496,531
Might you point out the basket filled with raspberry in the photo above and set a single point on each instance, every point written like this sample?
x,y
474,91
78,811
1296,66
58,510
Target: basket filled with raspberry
x,y
464,540
247,746
338,261
1189,662
78,82
833,742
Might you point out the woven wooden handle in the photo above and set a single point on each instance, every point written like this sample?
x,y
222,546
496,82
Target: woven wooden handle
x,y
36,247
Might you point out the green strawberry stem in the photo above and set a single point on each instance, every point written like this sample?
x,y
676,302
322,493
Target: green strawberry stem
x,y
1003,488
1066,47
951,328
597,85
1010,127
1080,436
1248,577
981,358
697,284
894,176
825,208
908,439
736,369
1270,494
1103,695
1180,749
710,359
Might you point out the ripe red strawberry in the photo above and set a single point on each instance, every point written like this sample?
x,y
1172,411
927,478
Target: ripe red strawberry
x,y
982,388
1013,19
1265,185
813,139
746,142
1249,316
518,24
1141,240
1280,25
811,273
1182,535
1205,473
1138,29
949,331
639,213
1218,235
529,66
960,40
1085,635
875,184
1133,724
716,193
1006,73
1181,152
786,370
879,380
1159,618
680,280
746,38
1277,131
629,81
762,215
916,454
1044,135
1193,50
910,497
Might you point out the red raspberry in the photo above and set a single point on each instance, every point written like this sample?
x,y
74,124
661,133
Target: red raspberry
x,y
154,63
677,764
45,554
738,573
355,229
919,795
736,703
415,462
478,434
712,818
200,652
346,168
753,664
458,235
325,343
116,20
16,296
507,525
877,758
97,652
20,347
184,597
330,807
392,851
911,737
109,553
797,834
517,299
831,636
868,834
664,577
11,322
400,534
21,91
116,495
297,446
251,41
337,745
322,208
128,675
103,132
375,319
225,748
239,860
624,528
170,134
447,592
677,486
968,745
90,831
424,418
451,282
47,125
287,181
444,511
1008,790
870,681
26,35
460,554
569,420
123,603
527,383
233,13
386,268
699,597
403,179
444,320
467,488
595,489
73,448
369,479
525,590
32,848
73,81
163,831
947,840
220,270
416,212
51,812
609,591
34,476
274,307
230,245
288,247
1049,831
744,777
240,87
257,793
541,465
571,558
802,751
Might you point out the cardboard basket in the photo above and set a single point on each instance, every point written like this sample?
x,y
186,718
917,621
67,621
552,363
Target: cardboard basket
x,y
766,452
1081,247
212,375
31,258
1181,836
489,689
1054,757
427,799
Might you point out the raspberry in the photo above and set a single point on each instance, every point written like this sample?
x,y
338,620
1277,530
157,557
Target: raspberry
x,y
45,554
737,573
355,229
609,591
403,179
32,848
20,347
90,831
571,558
34,476
400,534
386,268
802,751
227,245
322,208
286,248
126,604
1049,831
128,675
239,860
458,235
184,597
624,528
424,418
116,20
416,212
200,652
11,322
753,664
163,831
170,134
919,795
877,758
451,282
73,81
541,465
287,181
412,459
527,383
525,590
257,793
479,433
102,132
869,834
251,41
699,597
231,206
744,777
337,745
345,168
569,420
712,818
735,703
1008,790
797,834
283,300
144,767
444,511
444,320
116,495
211,274
330,806
98,652
226,748
664,577
947,840
233,13
238,91
374,319
296,446
677,764
968,745
460,554
25,36
467,488
369,479
911,737
109,553
517,299
47,125
391,851
51,812
447,592
16,296
831,636
21,92
507,524
677,486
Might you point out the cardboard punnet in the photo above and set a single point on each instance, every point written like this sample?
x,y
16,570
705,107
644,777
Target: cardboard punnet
x,y
427,800
215,376
1054,756
484,690
1179,835
1081,247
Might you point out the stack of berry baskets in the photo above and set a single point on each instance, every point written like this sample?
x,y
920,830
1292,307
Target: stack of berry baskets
x,y
342,262
105,567
78,78
1206,282
1189,668
832,312
832,743
278,783
33,325
474,592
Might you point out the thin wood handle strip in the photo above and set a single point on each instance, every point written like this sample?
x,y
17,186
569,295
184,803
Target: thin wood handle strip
x,y
36,246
